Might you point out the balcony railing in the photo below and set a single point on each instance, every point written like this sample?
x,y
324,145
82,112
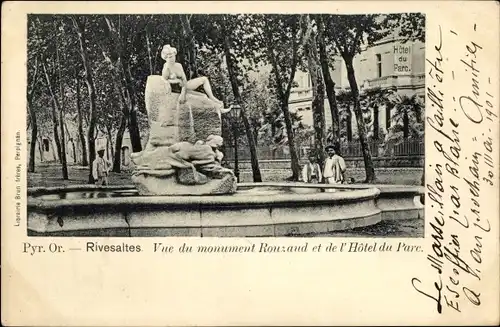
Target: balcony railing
x,y
397,80
417,80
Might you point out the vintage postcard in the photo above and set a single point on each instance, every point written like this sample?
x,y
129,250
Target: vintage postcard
x,y
250,163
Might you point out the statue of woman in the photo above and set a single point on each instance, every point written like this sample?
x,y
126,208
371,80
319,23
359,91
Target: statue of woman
x,y
173,72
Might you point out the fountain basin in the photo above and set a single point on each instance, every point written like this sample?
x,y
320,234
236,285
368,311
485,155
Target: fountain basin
x,y
257,209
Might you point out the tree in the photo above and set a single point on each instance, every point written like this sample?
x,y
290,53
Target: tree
x,y
411,26
262,106
318,86
225,34
42,37
121,37
34,82
348,33
279,38
329,83
372,100
56,108
81,134
33,76
344,103
235,87
407,117
79,27
61,103
190,50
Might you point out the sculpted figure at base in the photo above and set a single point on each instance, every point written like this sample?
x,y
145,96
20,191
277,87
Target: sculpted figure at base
x,y
182,156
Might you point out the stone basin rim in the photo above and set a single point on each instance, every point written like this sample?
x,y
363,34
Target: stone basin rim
x,y
384,188
219,201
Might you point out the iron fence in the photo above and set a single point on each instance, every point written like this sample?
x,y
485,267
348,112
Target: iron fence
x,y
348,150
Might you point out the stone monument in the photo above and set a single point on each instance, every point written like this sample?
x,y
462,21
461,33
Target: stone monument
x,y
182,155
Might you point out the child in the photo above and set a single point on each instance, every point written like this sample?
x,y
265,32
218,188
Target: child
x,y
311,173
334,165
100,169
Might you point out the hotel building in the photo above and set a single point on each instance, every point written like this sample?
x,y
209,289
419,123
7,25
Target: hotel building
x,y
389,63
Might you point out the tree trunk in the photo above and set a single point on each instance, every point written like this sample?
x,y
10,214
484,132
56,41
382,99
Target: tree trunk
x,y
110,140
369,169
375,123
61,116
349,123
133,127
55,123
33,122
74,151
55,128
406,124
107,148
125,89
40,149
422,182
81,135
92,96
255,131
284,96
318,102
190,53
34,134
294,157
234,85
329,83
64,161
71,140
118,144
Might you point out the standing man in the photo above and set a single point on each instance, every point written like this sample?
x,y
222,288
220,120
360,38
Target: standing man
x,y
100,168
334,172
311,173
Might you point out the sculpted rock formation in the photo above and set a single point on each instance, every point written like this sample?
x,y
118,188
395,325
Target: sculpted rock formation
x,y
181,156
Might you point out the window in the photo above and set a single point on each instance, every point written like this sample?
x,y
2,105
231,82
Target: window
x,y
45,145
379,64
308,80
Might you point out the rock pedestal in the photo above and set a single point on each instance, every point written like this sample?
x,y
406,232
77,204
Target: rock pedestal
x,y
171,122
171,163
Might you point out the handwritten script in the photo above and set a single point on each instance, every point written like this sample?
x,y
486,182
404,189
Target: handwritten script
x,y
459,174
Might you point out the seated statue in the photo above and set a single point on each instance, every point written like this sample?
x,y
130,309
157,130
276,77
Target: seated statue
x,y
173,73
182,155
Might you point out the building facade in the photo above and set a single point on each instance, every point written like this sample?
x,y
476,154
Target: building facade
x,y
389,63
46,149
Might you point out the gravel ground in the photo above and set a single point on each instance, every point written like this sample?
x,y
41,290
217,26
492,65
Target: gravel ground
x,y
50,175
394,228
403,176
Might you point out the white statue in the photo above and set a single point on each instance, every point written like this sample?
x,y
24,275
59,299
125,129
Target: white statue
x,y
173,72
